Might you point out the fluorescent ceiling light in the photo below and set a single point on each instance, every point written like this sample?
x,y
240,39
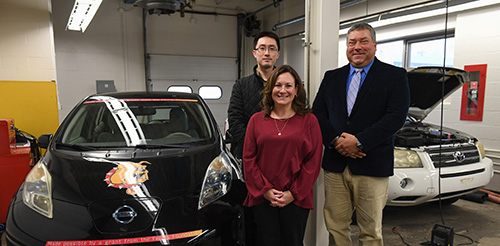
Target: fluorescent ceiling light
x,y
82,13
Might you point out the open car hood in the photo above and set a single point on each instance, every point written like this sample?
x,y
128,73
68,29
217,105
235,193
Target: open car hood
x,y
426,87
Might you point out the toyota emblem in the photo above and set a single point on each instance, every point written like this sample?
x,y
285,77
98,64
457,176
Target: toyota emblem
x,y
459,156
124,214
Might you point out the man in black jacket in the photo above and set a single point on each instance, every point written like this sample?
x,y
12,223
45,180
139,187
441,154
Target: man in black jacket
x,y
246,100
359,107
246,97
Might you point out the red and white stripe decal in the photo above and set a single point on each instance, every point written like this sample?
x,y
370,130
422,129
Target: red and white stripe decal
x,y
125,240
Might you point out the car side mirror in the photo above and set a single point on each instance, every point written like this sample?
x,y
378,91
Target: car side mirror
x,y
44,140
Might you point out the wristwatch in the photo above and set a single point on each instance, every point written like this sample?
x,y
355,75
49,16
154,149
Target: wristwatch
x,y
332,144
358,143
335,140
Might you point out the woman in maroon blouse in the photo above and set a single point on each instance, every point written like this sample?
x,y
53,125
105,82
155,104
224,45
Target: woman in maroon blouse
x,y
281,159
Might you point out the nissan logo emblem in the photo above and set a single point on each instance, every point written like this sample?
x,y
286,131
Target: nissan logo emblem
x,y
459,156
124,214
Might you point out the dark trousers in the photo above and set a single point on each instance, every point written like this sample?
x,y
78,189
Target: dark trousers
x,y
280,226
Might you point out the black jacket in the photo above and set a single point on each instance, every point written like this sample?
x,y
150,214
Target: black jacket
x,y
379,111
245,101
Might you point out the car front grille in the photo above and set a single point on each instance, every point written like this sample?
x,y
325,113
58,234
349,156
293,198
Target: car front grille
x,y
453,155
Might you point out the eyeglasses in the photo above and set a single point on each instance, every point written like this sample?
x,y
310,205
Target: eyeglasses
x,y
262,49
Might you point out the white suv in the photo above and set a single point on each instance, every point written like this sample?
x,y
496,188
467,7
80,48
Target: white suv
x,y
430,161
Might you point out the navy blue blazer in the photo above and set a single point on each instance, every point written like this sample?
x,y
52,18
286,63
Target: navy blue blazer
x,y
380,110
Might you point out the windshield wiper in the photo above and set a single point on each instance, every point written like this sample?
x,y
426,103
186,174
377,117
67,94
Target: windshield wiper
x,y
75,147
156,146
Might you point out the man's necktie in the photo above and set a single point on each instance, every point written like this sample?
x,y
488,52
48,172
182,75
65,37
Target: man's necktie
x,y
353,89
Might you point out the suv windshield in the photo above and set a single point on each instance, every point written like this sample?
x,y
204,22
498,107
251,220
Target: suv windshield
x,y
103,121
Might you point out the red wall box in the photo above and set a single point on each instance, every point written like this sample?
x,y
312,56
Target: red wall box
x,y
473,93
15,163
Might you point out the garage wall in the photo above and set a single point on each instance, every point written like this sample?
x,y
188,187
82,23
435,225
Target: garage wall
x,y
26,45
28,89
33,105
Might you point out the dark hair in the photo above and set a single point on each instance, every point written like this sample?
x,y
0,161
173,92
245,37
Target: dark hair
x,y
362,26
298,104
266,34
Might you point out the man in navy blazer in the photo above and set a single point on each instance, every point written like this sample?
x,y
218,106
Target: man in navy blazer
x,y
359,145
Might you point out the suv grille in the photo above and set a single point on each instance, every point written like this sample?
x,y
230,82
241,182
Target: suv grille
x,y
455,155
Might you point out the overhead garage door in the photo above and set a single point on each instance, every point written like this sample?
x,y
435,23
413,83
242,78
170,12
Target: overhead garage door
x,y
197,73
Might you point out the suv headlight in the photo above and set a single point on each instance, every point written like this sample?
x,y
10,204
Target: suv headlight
x,y
406,159
217,180
481,149
37,192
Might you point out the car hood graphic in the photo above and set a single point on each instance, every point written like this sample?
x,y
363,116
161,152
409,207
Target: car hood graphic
x,y
92,175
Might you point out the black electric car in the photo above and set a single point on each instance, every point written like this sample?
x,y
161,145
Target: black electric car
x,y
132,168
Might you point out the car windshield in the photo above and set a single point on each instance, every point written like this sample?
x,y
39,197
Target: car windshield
x,y
103,121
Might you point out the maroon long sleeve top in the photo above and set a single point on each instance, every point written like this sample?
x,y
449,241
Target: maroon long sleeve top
x,y
290,161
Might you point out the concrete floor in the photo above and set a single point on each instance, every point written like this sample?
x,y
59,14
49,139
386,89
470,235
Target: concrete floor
x,y
479,221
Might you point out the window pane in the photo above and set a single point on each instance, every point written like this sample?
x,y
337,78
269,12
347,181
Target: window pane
x,y
210,92
180,88
430,53
391,52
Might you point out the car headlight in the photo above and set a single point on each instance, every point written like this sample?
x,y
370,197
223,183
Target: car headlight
x,y
481,149
217,180
37,192
406,159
